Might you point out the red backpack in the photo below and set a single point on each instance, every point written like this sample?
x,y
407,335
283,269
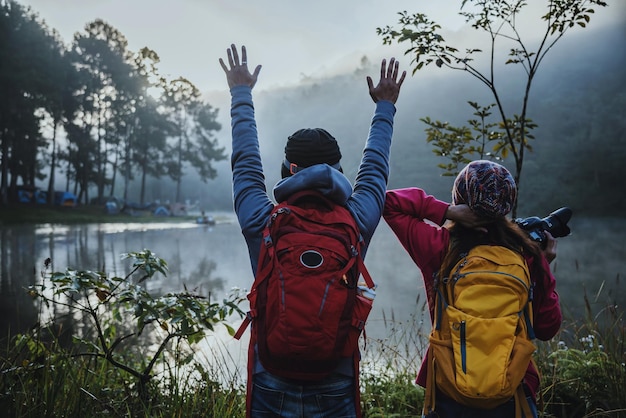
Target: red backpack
x,y
306,303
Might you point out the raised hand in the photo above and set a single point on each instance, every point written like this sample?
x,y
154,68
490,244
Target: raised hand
x,y
388,87
238,74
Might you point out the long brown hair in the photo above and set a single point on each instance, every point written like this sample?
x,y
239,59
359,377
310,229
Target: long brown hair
x,y
502,231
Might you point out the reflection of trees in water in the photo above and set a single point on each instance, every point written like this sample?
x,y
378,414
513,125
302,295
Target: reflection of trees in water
x,y
82,247
199,280
89,247
83,256
17,270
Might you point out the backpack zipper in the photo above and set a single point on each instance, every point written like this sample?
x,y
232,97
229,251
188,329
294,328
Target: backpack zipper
x,y
463,348
459,276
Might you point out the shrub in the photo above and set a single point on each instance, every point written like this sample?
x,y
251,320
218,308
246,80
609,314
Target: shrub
x,y
584,369
102,341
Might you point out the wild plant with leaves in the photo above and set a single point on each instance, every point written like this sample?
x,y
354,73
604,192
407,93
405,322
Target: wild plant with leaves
x,y
500,22
107,316
584,370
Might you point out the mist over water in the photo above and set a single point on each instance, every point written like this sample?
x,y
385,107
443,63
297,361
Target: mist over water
x,y
573,101
213,260
577,157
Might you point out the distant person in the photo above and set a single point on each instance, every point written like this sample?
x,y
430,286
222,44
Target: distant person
x,y
312,161
483,194
205,219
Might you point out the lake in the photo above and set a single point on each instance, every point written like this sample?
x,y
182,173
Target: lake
x,y
215,259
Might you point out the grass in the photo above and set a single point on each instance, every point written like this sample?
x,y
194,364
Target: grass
x,y
57,383
389,367
583,374
41,374
43,214
584,369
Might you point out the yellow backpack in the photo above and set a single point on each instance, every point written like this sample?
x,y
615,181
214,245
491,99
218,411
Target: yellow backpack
x,y
480,344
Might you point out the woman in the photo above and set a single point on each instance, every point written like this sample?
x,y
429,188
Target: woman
x,y
483,195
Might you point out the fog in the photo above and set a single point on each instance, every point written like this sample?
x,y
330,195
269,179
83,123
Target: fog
x,y
342,105
293,40
314,65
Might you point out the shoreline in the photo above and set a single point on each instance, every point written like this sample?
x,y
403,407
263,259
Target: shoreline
x,y
17,214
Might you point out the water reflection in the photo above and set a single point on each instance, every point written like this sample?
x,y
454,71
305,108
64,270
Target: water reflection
x,y
215,259
17,270
200,259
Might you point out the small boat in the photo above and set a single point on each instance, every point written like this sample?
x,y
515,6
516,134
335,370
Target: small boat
x,y
205,220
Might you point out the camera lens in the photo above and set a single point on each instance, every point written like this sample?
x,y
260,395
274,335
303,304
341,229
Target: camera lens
x,y
556,222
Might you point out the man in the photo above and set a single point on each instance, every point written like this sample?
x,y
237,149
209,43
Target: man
x,y
312,161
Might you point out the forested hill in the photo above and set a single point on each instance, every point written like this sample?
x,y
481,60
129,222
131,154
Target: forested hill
x,y
578,101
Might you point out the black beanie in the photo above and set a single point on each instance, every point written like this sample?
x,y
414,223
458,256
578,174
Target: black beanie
x,y
307,147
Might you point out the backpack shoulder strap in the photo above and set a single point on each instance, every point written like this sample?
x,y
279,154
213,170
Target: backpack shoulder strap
x,y
264,267
522,408
429,395
363,270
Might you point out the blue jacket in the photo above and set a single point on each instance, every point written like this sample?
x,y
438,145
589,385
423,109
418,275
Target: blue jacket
x,y
252,202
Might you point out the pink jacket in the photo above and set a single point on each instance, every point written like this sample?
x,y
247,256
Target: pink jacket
x,y
407,211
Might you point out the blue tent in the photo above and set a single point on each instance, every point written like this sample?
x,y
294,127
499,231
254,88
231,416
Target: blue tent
x,y
65,199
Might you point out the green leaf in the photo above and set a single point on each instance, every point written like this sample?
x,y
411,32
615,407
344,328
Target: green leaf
x,y
231,330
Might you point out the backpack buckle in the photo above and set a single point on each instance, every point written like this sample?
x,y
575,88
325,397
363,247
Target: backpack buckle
x,y
274,215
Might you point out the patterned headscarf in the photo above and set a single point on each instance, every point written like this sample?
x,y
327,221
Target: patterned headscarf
x,y
488,188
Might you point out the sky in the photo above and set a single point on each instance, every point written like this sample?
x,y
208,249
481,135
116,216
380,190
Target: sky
x,y
291,39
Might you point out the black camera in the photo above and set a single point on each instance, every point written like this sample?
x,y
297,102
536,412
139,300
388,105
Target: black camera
x,y
555,224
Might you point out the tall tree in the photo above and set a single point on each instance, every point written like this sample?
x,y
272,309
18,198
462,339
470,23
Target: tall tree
x,y
499,21
142,122
132,86
106,95
98,91
26,50
150,142
59,103
195,123
206,147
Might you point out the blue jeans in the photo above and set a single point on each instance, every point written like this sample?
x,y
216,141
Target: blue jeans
x,y
273,396
446,407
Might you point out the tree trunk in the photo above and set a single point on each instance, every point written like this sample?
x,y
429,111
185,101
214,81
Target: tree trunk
x,y
53,163
143,186
4,192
